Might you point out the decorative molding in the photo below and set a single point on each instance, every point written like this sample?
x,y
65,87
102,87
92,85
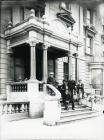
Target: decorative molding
x,y
90,29
67,18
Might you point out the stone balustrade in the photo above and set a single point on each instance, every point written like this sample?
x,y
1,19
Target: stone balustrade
x,y
13,107
19,87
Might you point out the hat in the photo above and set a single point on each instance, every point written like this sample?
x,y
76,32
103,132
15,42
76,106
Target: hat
x,y
51,73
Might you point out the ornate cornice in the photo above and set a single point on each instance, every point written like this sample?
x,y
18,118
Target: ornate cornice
x,y
67,18
90,29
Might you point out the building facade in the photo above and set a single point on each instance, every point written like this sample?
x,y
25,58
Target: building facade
x,y
39,37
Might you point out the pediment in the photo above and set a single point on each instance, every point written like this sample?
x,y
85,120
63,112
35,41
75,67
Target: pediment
x,y
67,18
91,29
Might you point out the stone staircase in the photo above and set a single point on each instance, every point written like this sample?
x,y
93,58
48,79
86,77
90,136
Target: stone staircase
x,y
80,112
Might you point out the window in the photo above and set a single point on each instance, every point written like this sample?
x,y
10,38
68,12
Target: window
x,y
21,13
88,17
65,71
97,80
89,45
39,12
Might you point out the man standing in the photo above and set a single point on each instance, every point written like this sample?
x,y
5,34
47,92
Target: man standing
x,y
80,87
63,94
51,80
71,88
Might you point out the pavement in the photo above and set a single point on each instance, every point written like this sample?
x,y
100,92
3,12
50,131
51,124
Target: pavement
x,y
33,129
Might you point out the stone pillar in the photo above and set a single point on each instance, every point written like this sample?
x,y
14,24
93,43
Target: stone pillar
x,y
9,52
56,69
76,67
45,63
69,65
36,100
33,60
103,83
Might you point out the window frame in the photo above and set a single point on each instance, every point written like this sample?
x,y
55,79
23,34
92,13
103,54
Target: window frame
x,y
90,45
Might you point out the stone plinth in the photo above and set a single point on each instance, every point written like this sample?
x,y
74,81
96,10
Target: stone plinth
x,y
52,110
36,100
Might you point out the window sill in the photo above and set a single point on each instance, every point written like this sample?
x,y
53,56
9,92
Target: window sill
x,y
88,54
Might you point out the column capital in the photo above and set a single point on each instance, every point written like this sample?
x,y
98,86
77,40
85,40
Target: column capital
x,y
32,43
9,50
45,46
69,53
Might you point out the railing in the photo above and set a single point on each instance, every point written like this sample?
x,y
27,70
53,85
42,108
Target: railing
x,y
14,107
53,91
19,87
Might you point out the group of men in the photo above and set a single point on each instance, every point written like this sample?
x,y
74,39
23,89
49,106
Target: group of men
x,y
72,87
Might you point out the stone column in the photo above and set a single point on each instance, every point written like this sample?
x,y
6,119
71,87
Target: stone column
x,y
45,63
33,60
69,65
9,53
76,67
56,69
103,83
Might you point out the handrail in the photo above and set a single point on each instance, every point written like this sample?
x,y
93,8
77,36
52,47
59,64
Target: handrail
x,y
54,91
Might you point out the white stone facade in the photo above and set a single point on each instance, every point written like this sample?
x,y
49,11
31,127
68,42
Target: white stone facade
x,y
31,46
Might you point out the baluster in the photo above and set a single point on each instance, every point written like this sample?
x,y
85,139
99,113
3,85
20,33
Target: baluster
x,y
1,108
14,88
20,87
22,107
5,109
16,108
27,107
25,87
17,89
13,108
10,108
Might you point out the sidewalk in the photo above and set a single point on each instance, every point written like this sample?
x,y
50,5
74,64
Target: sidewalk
x,y
30,129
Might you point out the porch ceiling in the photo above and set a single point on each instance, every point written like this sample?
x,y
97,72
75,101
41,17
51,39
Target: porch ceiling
x,y
54,52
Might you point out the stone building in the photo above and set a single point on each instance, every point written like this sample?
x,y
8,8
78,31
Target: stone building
x,y
39,37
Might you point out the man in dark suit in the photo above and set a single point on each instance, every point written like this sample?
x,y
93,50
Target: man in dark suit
x,y
71,88
51,80
63,94
80,87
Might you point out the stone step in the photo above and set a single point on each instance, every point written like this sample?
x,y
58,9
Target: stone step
x,y
76,113
66,118
15,116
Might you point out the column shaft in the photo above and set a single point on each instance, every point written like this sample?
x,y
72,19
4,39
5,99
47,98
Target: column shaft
x,y
33,61
45,68
69,65
9,52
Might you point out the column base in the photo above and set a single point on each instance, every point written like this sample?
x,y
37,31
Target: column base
x,y
33,80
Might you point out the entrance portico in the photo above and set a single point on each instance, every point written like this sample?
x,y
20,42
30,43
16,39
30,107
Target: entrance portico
x,y
34,62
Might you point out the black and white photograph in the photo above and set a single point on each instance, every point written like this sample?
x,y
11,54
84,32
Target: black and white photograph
x,y
51,69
